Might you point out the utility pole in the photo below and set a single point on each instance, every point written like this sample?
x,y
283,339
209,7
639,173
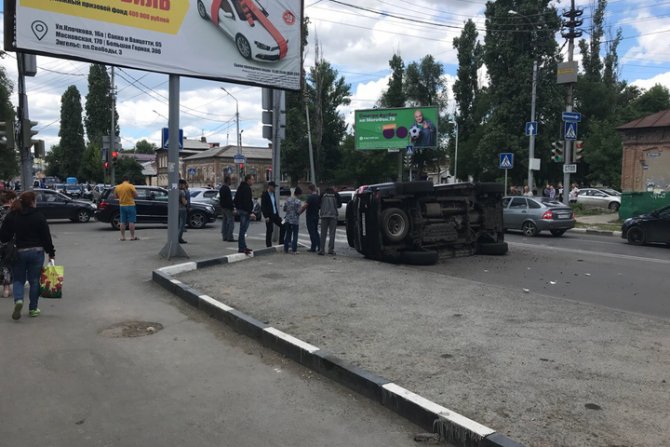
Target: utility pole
x,y
572,23
24,127
112,133
309,140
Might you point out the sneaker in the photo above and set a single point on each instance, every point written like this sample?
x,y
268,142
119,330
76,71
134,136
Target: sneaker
x,y
321,253
248,251
331,253
18,305
182,241
34,313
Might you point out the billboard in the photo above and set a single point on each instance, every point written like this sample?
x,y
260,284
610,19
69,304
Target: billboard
x,y
396,128
254,42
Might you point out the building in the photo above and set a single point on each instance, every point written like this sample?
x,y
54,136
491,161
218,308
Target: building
x,y
191,147
210,166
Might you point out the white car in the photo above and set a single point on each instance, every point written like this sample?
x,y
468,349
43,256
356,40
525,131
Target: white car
x,y
346,197
258,34
605,198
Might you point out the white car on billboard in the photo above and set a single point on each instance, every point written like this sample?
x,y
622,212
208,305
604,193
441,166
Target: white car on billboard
x,y
258,34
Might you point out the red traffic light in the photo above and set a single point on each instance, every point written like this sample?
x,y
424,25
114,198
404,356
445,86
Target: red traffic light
x,y
241,165
105,165
115,155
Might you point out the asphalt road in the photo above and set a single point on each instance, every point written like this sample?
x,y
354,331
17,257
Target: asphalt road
x,y
68,379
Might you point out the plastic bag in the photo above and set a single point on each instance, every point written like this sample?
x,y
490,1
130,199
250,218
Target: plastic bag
x,y
51,281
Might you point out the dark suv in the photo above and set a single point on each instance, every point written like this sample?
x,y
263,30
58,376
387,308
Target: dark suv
x,y
418,222
152,207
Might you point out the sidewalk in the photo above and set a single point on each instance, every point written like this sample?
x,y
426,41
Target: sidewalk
x,y
599,224
540,370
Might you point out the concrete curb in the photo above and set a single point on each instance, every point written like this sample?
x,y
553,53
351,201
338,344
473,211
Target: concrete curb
x,y
594,231
451,426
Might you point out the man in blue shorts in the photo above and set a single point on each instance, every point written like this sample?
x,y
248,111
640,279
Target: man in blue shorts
x,y
126,194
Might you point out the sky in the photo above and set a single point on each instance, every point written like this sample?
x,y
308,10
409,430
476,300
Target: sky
x,y
357,37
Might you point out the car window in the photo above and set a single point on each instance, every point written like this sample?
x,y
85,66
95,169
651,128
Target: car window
x,y
211,194
505,202
518,203
533,204
599,194
160,195
195,193
51,196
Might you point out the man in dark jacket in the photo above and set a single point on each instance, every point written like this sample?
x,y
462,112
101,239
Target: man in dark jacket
x,y
330,202
270,210
227,208
244,205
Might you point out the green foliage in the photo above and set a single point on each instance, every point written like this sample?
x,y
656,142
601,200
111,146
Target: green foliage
x,y
145,147
128,166
55,161
9,164
98,105
653,100
71,132
91,165
394,96
364,167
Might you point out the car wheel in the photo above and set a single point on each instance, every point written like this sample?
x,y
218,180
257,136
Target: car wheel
x,y
82,216
635,236
243,46
395,224
493,248
557,233
614,206
529,229
116,221
202,10
197,220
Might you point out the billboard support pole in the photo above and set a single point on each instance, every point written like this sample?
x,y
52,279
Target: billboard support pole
x,y
276,150
311,151
112,133
172,249
26,165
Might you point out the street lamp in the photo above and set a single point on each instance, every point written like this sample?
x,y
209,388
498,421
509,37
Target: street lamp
x,y
237,120
456,152
531,137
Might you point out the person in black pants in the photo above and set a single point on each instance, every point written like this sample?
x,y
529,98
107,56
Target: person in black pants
x,y
270,210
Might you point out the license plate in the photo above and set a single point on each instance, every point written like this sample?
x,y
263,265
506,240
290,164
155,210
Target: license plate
x,y
564,216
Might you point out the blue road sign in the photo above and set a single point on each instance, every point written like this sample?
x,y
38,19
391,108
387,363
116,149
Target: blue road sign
x,y
239,158
574,117
531,128
570,130
409,150
506,160
165,138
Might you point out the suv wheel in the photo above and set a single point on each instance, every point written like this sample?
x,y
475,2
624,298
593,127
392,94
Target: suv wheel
x,y
197,220
116,221
82,216
395,224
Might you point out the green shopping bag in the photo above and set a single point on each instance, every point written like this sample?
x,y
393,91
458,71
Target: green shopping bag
x,y
51,281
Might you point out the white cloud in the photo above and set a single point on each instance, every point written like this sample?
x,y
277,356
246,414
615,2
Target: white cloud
x,y
662,79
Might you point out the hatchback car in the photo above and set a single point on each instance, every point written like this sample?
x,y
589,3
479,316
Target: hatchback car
x,y
648,228
209,196
55,205
152,206
604,198
532,215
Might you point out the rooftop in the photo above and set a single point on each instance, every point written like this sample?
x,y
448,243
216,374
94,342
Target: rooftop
x,y
659,119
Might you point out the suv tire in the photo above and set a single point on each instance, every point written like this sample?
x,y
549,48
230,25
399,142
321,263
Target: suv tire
x,y
394,224
197,220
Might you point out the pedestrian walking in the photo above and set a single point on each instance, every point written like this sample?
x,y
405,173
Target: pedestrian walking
x,y
227,210
6,199
244,205
270,211
313,203
183,209
293,208
29,227
330,202
126,193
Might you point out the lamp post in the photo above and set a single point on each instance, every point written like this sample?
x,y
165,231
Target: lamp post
x,y
456,152
531,137
237,120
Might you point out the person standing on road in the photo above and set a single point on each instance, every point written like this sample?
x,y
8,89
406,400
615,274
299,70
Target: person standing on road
x,y
270,211
330,202
6,199
126,193
227,210
293,208
244,205
31,231
527,192
313,203
183,209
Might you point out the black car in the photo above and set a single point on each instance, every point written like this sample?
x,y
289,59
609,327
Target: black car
x,y
648,228
152,207
55,205
418,222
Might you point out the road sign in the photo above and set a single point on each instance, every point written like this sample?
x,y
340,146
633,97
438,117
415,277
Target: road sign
x,y
531,128
570,130
191,171
574,117
506,160
410,150
569,169
239,158
165,138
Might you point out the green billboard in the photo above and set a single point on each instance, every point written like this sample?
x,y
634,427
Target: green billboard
x,y
396,128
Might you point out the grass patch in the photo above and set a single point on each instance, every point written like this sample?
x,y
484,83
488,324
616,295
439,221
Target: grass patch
x,y
600,226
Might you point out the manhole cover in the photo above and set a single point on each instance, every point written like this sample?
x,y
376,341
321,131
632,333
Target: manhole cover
x,y
131,329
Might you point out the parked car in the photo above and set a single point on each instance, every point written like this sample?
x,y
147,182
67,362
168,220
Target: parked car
x,y
345,197
73,190
55,205
258,34
533,215
648,228
152,207
418,222
206,195
604,198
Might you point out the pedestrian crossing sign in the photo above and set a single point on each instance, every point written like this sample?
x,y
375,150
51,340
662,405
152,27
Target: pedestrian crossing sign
x,y
570,130
506,160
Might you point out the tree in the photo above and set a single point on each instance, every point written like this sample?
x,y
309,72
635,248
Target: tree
x,y
653,100
145,147
394,96
55,160
9,164
98,104
71,132
128,166
91,169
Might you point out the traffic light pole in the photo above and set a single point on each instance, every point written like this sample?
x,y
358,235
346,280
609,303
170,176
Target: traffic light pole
x,y
26,163
112,133
569,144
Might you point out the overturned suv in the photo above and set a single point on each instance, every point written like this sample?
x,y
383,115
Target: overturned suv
x,y
418,222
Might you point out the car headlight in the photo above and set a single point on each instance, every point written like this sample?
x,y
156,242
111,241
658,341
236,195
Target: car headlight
x,y
210,208
94,206
262,46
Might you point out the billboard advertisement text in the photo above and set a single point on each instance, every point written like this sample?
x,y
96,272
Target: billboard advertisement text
x,y
396,128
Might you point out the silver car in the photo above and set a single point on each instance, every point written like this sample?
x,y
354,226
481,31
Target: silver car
x,y
532,215
604,198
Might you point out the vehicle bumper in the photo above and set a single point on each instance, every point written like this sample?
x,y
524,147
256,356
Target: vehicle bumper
x,y
563,224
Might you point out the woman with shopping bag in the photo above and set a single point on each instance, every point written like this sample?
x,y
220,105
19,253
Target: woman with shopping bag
x,y
33,238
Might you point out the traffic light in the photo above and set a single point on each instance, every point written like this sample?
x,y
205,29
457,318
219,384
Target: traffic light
x,y
38,149
557,151
105,165
7,134
115,155
577,157
268,174
241,170
28,132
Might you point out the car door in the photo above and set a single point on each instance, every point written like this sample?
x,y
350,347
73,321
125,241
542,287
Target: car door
x,y
55,205
659,229
159,199
515,213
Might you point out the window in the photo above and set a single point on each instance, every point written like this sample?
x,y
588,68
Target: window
x,y
518,203
506,202
533,204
